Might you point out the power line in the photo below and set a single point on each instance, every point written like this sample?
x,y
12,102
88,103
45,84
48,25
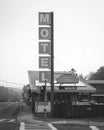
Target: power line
x,y
11,82
24,84
61,63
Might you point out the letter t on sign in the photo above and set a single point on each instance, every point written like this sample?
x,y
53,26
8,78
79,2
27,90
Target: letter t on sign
x,y
44,48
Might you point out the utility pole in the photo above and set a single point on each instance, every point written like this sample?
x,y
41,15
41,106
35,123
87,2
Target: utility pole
x,y
52,64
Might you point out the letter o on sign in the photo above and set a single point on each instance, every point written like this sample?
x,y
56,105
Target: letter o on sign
x,y
44,33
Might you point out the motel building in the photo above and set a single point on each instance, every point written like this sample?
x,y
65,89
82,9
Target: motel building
x,y
72,96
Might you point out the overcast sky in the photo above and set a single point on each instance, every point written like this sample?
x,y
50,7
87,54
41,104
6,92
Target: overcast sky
x,y
78,36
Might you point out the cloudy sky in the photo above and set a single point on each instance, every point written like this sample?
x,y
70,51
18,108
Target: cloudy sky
x,y
78,36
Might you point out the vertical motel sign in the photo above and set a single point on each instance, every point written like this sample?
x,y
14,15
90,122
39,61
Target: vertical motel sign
x,y
44,45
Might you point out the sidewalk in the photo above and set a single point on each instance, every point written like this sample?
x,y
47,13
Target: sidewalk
x,y
26,114
31,121
28,122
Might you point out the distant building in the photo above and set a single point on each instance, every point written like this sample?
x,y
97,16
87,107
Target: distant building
x,y
98,84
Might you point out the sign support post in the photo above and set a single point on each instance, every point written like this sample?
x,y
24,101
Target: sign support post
x,y
52,64
45,99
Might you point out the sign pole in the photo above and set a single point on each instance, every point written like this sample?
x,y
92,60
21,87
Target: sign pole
x,y
45,99
52,64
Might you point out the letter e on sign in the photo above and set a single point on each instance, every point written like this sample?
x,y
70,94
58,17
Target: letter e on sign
x,y
44,18
44,62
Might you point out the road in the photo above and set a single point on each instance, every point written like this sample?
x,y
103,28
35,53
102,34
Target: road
x,y
78,127
8,121
8,115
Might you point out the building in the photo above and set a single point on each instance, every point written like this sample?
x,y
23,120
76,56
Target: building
x,y
69,91
98,84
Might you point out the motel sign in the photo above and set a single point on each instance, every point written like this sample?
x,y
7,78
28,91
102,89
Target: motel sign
x,y
44,33
44,76
44,62
44,48
44,18
44,45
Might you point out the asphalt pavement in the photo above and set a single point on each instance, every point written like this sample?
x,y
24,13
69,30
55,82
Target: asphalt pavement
x,y
29,122
8,115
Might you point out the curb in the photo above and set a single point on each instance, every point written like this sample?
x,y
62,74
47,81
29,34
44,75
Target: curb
x,y
96,123
84,123
76,122
71,122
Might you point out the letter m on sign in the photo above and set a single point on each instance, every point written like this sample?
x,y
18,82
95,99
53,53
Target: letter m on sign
x,y
44,18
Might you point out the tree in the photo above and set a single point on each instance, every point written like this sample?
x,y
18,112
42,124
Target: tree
x,y
73,70
27,93
81,76
99,75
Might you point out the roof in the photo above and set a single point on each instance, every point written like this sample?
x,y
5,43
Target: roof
x,y
95,81
98,95
82,85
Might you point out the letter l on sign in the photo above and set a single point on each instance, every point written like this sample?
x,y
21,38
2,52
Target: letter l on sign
x,y
44,75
